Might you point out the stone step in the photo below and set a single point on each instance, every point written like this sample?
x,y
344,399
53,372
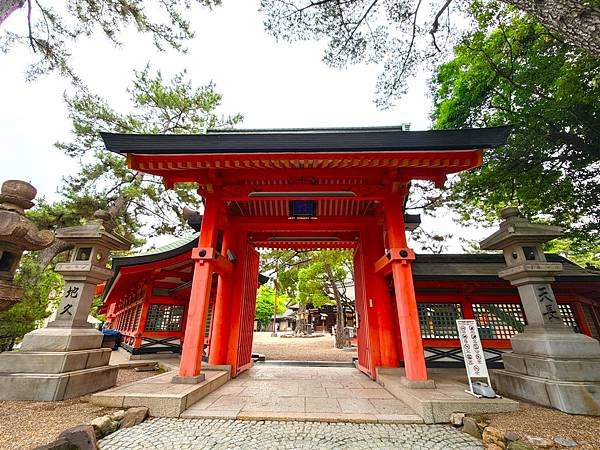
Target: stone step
x,y
292,416
281,362
53,362
160,395
436,405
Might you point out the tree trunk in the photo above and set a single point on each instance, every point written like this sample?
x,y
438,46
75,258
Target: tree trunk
x,y
340,342
300,323
47,255
7,7
575,20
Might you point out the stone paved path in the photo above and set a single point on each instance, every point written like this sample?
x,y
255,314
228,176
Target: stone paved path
x,y
327,394
179,434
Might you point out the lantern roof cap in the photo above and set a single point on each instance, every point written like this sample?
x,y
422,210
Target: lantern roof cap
x,y
516,229
97,231
15,197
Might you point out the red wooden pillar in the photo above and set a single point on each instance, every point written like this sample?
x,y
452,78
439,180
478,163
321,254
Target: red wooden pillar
x,y
203,255
401,260
221,327
379,299
467,307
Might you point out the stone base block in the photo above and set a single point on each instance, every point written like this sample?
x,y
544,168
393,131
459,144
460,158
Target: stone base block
x,y
420,384
587,370
567,396
55,387
53,362
189,380
61,339
555,344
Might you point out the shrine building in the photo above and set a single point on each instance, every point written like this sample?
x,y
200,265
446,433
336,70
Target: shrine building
x,y
310,190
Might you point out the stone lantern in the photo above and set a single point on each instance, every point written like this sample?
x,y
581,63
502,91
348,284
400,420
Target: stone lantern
x,y
65,359
17,234
550,364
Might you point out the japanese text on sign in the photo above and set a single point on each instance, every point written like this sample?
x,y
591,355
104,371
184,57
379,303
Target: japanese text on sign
x,y
471,348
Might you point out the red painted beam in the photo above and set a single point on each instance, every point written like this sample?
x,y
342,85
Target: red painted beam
x,y
320,224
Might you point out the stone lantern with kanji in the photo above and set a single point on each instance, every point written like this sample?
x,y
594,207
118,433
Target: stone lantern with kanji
x,y
550,364
17,234
65,359
85,269
527,268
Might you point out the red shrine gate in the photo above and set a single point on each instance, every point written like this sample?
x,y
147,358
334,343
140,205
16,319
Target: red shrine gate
x,y
305,189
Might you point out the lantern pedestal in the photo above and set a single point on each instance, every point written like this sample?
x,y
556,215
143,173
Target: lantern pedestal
x,y
53,376
62,340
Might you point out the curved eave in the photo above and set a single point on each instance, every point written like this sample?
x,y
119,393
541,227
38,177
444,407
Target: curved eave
x,y
307,141
143,260
126,261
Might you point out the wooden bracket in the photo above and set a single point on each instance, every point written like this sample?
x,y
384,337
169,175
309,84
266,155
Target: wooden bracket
x,y
203,253
403,255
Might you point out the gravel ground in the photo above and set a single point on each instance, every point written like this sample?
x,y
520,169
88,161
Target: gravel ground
x,y
24,425
188,434
549,423
300,349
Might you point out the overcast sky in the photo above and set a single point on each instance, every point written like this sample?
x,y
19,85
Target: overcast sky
x,y
272,84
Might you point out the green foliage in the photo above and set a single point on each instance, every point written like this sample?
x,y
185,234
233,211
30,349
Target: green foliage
x,y
42,288
513,71
52,31
96,304
287,264
265,304
303,277
142,204
585,256
314,284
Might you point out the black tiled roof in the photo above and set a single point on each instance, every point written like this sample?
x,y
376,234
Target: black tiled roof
x,y
485,266
307,140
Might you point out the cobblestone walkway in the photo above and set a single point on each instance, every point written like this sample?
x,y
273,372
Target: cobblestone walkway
x,y
179,434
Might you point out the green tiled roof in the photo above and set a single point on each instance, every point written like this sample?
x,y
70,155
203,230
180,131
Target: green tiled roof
x,y
165,248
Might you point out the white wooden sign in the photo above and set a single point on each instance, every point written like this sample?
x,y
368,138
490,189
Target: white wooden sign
x,y
472,350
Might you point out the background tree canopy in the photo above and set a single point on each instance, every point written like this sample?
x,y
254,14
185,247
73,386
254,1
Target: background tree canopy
x,y
514,71
404,35
265,304
51,30
139,202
